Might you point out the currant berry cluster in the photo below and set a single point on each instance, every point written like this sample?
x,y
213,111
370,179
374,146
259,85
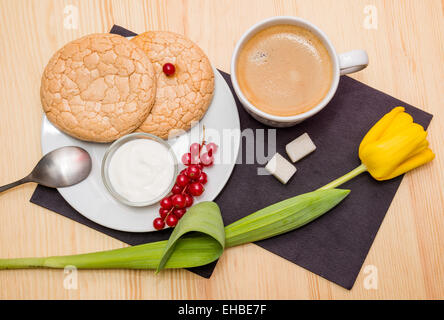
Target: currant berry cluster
x,y
189,184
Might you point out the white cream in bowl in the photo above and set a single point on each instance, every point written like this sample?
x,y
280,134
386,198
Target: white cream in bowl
x,y
141,170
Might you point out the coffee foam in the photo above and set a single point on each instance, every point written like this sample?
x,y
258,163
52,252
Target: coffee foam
x,y
284,70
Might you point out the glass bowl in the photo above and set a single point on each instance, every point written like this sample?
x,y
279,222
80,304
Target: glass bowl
x,y
109,154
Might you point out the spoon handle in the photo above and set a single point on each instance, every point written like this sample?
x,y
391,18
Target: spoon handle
x,y
16,183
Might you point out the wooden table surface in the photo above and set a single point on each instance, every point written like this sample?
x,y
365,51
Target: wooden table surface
x,y
405,45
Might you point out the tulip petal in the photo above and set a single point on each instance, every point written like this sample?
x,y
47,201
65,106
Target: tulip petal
x,y
400,122
378,129
424,145
382,157
413,162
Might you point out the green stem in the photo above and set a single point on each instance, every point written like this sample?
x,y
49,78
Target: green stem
x,y
336,183
22,263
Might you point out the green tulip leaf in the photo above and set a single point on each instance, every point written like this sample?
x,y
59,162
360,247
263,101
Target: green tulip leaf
x,y
200,237
205,219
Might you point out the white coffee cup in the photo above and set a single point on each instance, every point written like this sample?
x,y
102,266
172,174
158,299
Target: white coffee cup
x,y
348,62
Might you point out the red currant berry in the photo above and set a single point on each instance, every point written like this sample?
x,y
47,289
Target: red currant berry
x,y
203,178
195,149
186,159
158,224
163,212
196,189
182,180
179,212
193,172
195,159
179,201
176,189
166,203
212,147
188,200
169,69
206,160
171,220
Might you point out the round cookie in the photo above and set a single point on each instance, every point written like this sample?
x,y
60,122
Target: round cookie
x,y
182,98
98,88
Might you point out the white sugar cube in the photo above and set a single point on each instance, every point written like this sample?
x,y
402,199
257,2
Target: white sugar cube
x,y
300,147
279,167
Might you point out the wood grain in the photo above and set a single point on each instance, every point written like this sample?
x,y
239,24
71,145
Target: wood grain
x,y
406,60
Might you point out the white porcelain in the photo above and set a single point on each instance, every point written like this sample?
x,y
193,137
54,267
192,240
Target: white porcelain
x,y
92,199
348,62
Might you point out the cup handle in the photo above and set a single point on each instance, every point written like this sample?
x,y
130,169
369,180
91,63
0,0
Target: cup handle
x,y
352,61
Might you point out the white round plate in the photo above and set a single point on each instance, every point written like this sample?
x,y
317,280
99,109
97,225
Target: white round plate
x,y
91,198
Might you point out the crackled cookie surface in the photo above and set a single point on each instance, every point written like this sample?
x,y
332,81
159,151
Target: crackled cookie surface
x,y
182,98
98,88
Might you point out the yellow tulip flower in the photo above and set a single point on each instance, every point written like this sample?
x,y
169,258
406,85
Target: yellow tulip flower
x,y
393,146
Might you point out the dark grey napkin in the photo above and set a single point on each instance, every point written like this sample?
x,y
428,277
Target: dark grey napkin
x,y
333,246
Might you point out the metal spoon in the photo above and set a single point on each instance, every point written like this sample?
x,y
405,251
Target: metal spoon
x,y
59,168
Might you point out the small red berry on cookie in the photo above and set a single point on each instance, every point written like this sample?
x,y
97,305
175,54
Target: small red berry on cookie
x,y
169,69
